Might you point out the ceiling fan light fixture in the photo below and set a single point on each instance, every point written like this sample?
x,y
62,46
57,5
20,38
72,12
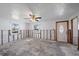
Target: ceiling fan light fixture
x,y
33,20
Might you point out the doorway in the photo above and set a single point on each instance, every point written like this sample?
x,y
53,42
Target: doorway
x,y
62,31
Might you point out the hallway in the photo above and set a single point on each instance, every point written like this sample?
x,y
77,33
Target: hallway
x,y
35,47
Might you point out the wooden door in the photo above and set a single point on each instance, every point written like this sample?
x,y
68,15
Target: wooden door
x,y
62,31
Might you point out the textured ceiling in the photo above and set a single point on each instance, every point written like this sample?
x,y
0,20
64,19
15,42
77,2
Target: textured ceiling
x,y
48,11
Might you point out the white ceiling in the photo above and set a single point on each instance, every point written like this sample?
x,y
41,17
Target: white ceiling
x,y
48,11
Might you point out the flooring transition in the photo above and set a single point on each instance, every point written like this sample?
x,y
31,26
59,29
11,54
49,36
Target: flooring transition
x,y
35,47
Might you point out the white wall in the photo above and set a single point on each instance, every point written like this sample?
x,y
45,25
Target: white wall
x,y
44,25
6,24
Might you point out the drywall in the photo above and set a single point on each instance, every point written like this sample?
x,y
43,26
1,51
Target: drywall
x,y
44,25
6,24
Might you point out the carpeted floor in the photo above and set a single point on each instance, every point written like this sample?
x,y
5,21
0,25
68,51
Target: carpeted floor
x,y
35,47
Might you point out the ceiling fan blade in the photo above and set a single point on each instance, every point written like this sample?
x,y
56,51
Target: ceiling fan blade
x,y
38,17
27,18
36,20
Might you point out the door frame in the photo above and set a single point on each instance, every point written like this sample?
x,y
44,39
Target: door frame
x,y
67,29
78,40
72,29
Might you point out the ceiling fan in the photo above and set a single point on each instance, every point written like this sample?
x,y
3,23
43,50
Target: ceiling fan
x,y
34,17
